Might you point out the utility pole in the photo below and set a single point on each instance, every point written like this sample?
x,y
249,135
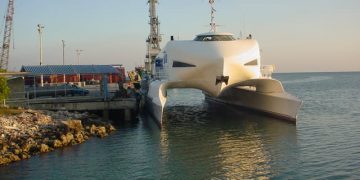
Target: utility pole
x,y
63,51
40,30
78,53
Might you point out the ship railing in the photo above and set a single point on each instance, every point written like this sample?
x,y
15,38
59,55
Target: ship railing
x,y
267,71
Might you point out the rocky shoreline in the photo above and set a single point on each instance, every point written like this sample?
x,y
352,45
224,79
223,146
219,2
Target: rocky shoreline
x,y
33,132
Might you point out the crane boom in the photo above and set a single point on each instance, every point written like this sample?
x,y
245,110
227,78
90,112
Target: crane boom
x,y
7,36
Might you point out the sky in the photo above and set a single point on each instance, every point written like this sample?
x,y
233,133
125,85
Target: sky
x,y
295,36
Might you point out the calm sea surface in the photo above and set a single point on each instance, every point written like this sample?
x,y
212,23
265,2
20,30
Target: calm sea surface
x,y
207,141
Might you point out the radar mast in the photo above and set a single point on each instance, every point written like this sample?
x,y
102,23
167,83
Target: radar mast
x,y
212,22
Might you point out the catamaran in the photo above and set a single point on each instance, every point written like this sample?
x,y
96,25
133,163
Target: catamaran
x,y
227,70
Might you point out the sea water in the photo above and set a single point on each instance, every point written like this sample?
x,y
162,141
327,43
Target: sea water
x,y
200,140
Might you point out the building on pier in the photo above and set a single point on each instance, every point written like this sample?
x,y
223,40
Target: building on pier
x,y
77,74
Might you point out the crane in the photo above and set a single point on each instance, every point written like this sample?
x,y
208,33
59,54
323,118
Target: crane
x,y
7,36
154,39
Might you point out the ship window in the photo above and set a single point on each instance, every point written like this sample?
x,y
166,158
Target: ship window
x,y
182,64
252,63
214,38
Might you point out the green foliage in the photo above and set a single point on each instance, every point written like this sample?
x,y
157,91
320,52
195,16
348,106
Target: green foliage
x,y
4,89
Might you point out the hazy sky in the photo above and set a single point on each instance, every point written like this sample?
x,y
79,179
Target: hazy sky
x,y
306,35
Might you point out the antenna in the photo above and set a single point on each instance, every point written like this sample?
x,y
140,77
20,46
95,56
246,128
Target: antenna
x,y
212,22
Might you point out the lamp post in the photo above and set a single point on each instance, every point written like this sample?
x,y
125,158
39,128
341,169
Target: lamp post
x,y
63,51
40,30
63,56
78,53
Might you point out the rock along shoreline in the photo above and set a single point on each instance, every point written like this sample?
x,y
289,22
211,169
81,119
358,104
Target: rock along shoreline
x,y
33,132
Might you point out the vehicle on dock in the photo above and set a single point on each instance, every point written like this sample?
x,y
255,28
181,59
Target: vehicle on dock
x,y
54,91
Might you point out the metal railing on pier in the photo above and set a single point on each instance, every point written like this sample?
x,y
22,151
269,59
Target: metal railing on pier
x,y
34,95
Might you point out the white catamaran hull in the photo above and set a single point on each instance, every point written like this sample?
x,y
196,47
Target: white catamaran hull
x,y
155,100
278,105
225,69
260,95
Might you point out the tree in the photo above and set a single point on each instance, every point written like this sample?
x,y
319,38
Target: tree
x,y
4,89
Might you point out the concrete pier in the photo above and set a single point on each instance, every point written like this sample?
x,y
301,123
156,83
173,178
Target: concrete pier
x,y
124,105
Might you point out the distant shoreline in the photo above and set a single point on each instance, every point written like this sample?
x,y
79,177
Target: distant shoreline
x,y
319,72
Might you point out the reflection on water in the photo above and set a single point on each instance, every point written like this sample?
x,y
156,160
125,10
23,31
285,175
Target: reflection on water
x,y
217,141
198,141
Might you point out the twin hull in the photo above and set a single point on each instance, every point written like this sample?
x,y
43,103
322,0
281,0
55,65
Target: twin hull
x,y
226,71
